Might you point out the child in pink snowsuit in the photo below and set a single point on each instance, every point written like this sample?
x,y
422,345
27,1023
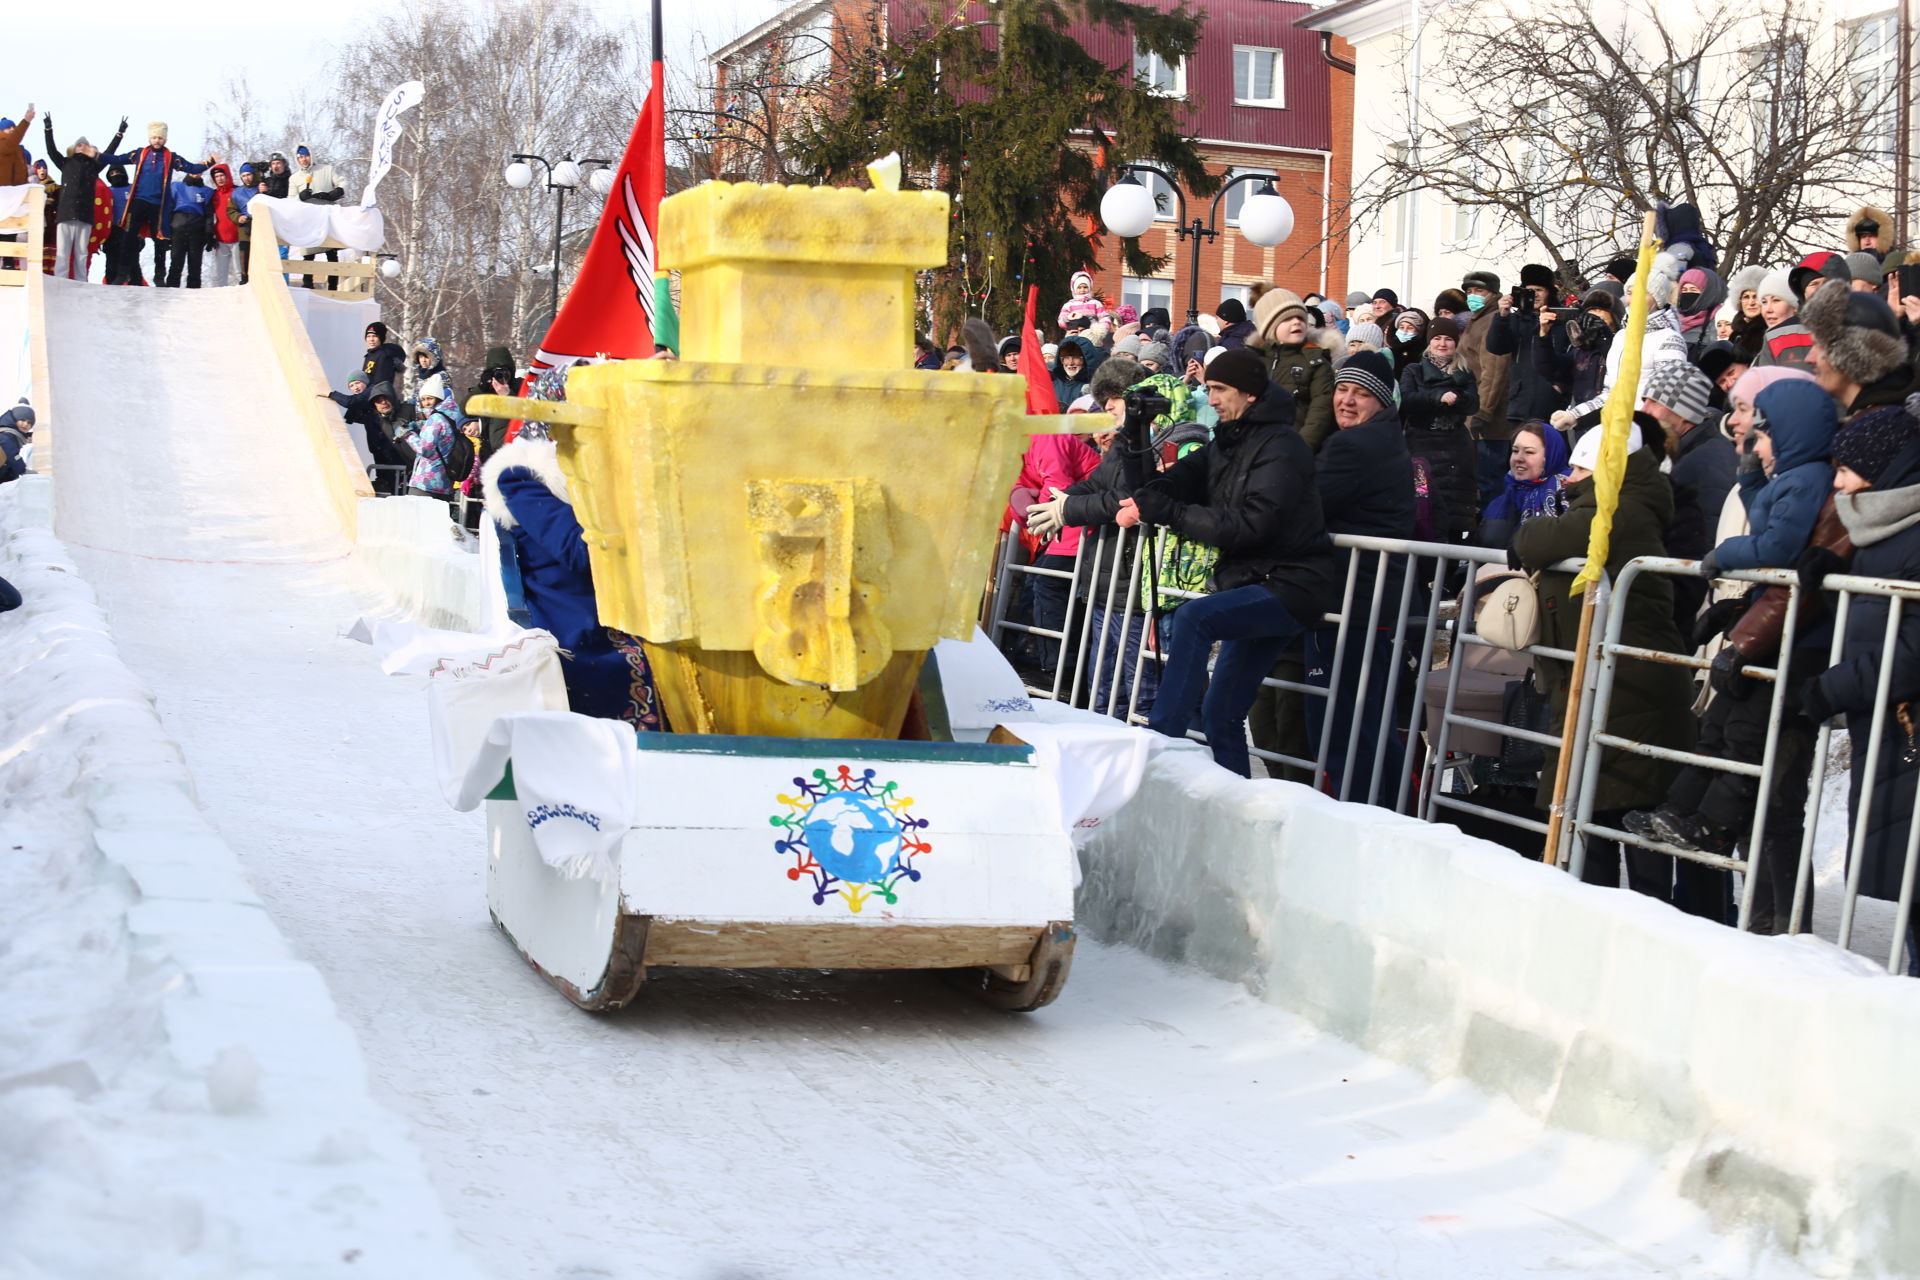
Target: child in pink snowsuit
x,y
1082,303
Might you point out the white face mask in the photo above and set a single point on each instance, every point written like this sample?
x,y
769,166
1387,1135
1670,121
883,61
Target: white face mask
x,y
1407,335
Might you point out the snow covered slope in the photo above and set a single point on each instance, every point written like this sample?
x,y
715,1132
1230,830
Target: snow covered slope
x,y
1151,1123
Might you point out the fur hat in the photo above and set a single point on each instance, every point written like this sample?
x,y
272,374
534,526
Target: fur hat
x,y
1113,377
1744,279
1274,306
538,456
159,127
1857,331
1717,357
1480,279
1535,273
1778,284
1869,220
1601,300
1450,300
1371,372
1241,369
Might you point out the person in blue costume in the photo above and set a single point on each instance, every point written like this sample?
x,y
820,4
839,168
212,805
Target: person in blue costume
x,y
149,210
606,671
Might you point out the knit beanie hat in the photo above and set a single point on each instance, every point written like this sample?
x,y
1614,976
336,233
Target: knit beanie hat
x,y
1128,346
1750,384
1857,331
1392,299
1212,354
1232,311
1586,450
1865,266
1779,284
1444,327
1331,310
1679,386
375,327
436,386
1156,352
1868,443
1239,368
1276,306
1366,331
1371,372
1358,299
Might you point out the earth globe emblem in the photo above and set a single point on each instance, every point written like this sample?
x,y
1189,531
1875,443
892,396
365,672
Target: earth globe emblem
x,y
852,837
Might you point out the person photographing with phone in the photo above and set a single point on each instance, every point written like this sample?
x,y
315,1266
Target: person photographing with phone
x,y
1249,493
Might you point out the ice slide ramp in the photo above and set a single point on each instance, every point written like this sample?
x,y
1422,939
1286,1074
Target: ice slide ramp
x,y
178,434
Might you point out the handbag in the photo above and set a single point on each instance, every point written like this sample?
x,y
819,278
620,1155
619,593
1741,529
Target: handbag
x,y
1508,615
1524,705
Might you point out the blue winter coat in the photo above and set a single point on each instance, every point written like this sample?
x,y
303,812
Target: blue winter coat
x,y
1801,419
191,199
152,169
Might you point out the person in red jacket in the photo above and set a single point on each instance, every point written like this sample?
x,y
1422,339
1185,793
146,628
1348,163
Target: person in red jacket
x,y
223,233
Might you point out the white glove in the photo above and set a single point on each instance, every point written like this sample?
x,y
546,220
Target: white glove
x,y
1565,419
1045,519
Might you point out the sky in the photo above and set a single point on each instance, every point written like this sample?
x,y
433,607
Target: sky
x,y
156,67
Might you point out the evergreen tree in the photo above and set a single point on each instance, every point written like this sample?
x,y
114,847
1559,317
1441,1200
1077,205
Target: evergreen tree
x,y
1011,118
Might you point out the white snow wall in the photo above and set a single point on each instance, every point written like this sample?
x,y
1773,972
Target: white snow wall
x,y
1778,1072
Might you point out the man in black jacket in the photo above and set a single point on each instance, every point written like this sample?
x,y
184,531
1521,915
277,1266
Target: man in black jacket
x,y
79,171
1365,479
1520,332
1250,494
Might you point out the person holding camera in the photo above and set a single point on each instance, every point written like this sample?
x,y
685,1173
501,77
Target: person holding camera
x,y
1527,323
1251,494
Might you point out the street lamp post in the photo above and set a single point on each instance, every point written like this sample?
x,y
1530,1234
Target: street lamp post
x,y
1128,209
562,176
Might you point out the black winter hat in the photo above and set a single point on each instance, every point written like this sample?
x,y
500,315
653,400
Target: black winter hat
x,y
1868,443
1601,300
1079,324
1231,311
1621,268
1155,318
1715,359
378,329
1535,273
1392,298
1450,300
1241,369
1857,331
1443,327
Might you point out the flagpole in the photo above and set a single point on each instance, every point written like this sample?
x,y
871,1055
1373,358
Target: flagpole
x,y
1625,387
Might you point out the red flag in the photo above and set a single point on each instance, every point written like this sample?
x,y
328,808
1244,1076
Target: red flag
x,y
610,310
1033,365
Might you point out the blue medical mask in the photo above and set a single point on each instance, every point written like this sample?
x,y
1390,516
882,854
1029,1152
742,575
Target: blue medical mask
x,y
1475,301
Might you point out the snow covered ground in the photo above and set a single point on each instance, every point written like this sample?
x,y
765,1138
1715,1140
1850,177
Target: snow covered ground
x,y
787,1124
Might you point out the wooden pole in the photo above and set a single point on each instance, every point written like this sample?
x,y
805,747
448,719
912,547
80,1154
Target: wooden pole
x,y
1570,727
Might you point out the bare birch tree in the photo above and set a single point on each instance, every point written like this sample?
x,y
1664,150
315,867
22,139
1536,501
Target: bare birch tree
x,y
1585,113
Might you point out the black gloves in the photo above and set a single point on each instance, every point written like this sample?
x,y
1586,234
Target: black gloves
x,y
1513,560
1813,701
1814,564
1709,566
1156,506
1725,676
1718,617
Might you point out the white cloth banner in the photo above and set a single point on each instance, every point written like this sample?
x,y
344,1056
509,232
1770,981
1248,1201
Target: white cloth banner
x,y
13,200
1096,768
315,225
578,782
465,698
386,132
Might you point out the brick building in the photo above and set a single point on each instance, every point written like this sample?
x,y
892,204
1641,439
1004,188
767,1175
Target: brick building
x,y
1261,96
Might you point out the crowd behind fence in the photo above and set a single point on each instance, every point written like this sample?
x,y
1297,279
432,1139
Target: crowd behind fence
x,y
1448,741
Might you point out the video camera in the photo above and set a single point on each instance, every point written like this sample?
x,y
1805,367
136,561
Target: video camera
x,y
1144,404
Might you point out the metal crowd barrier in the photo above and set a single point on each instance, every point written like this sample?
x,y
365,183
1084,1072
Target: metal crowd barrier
x,y
1103,608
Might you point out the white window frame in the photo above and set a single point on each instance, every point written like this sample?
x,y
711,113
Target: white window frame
x,y
1394,219
1236,199
1142,293
1278,99
1152,68
1238,292
1875,75
1156,187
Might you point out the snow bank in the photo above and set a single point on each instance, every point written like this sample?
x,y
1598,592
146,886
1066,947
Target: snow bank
x,y
411,550
1777,1072
171,1075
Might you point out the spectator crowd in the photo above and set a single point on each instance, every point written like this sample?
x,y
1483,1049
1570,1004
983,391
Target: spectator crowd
x,y
1776,426
188,218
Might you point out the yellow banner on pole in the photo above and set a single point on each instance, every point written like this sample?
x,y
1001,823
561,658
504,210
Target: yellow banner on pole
x,y
1616,419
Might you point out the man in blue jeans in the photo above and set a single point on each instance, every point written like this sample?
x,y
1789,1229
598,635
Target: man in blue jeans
x,y
1250,493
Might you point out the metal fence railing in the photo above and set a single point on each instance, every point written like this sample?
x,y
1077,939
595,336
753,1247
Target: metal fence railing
x,y
1363,738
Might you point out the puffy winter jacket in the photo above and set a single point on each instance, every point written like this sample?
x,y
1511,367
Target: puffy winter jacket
x,y
1801,419
77,176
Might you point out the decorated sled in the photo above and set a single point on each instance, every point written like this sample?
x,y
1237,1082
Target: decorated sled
x,y
792,540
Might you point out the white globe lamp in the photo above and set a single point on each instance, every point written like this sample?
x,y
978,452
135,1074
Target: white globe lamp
x,y
1266,218
519,175
1127,209
601,180
566,174
390,268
